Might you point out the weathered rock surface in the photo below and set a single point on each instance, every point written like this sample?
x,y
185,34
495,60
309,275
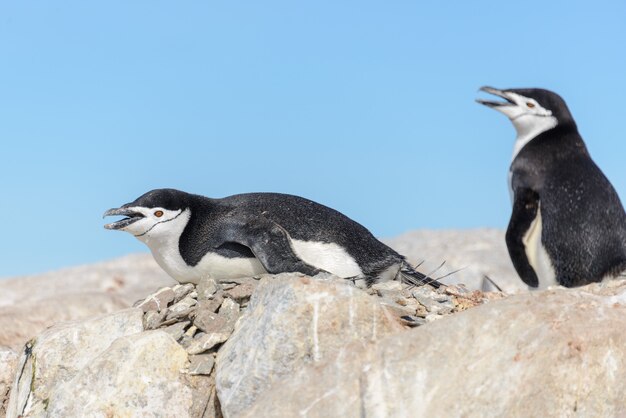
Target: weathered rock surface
x,y
28,305
476,252
138,375
8,363
60,352
556,353
292,321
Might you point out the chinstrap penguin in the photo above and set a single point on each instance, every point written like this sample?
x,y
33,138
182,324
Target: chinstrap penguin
x,y
568,225
191,236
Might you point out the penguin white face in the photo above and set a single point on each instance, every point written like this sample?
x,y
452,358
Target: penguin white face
x,y
529,117
143,221
158,214
524,112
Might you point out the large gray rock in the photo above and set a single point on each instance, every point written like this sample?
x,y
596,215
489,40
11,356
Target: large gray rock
x,y
293,321
60,352
554,353
8,362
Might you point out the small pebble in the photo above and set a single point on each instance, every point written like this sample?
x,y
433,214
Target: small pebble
x,y
182,290
201,364
207,287
207,342
177,330
154,319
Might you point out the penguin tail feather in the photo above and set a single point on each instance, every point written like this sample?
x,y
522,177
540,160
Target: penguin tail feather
x,y
408,274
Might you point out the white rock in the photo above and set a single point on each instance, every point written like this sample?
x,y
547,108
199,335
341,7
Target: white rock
x,y
60,352
138,375
292,321
556,353
8,362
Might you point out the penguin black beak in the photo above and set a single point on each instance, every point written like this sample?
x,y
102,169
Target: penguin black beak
x,y
132,217
495,92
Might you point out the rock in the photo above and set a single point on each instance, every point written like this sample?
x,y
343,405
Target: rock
x,y
182,308
211,305
154,319
206,288
212,322
201,364
177,330
553,353
292,321
8,363
182,290
241,292
205,342
60,352
157,301
138,375
230,310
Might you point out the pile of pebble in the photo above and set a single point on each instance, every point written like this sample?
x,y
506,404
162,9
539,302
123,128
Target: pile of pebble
x,y
417,306
202,317
199,317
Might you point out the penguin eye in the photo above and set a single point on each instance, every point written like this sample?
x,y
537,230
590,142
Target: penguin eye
x,y
158,213
530,105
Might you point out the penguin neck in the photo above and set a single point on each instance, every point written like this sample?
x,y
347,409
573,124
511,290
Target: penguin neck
x,y
528,128
164,243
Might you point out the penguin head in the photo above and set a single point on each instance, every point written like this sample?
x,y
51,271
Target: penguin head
x,y
155,214
530,110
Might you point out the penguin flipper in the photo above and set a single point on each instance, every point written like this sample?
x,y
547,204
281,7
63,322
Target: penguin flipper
x,y
525,208
269,242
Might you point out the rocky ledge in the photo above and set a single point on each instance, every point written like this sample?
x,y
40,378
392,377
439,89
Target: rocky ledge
x,y
291,345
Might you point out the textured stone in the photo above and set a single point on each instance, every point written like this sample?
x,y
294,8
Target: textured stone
x,y
154,319
211,305
181,308
556,353
205,342
212,322
8,363
230,309
241,292
182,290
138,375
201,364
157,301
293,321
207,287
60,352
177,330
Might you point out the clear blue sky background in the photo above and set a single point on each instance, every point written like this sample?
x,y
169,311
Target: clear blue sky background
x,y
367,107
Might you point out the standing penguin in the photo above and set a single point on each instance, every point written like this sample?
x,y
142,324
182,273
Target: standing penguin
x,y
568,225
248,234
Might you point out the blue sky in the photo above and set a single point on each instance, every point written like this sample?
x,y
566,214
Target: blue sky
x,y
367,107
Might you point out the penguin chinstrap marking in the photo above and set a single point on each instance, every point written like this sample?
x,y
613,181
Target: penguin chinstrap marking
x,y
568,225
191,236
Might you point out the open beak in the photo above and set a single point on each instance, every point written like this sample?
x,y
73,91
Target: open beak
x,y
500,93
131,217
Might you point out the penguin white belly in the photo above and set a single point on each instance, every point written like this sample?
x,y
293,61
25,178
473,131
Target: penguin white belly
x,y
537,255
211,264
327,256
